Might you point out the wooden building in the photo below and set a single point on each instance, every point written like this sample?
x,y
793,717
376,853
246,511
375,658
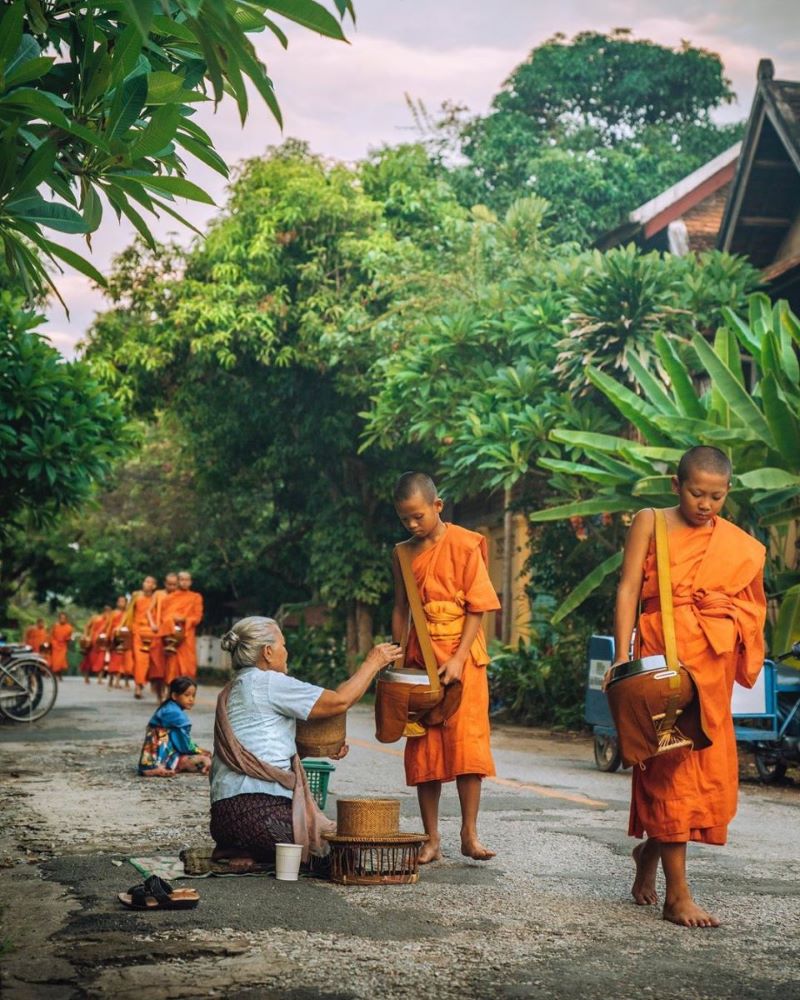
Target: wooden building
x,y
762,213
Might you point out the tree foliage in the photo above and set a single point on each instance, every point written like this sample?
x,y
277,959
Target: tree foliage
x,y
758,427
596,125
97,105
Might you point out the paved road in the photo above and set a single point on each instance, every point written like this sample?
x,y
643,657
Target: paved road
x,y
550,918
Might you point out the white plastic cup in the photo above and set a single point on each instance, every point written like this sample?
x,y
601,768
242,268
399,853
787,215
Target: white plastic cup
x,y
287,862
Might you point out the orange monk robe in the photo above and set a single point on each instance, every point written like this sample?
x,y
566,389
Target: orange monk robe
x,y
139,624
187,604
116,659
453,579
35,637
720,610
94,660
60,635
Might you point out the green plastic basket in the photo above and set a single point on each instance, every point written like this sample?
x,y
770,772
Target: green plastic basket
x,y
319,774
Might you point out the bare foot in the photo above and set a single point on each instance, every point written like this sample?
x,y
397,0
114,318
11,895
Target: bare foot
x,y
471,847
158,772
645,858
431,850
684,912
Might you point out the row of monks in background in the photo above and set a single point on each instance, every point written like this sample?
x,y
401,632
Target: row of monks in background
x,y
149,637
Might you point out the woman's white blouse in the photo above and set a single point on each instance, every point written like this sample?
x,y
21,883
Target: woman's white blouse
x,y
262,707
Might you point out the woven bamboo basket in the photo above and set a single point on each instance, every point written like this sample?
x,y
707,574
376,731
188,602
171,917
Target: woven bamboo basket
x,y
321,737
393,861
367,819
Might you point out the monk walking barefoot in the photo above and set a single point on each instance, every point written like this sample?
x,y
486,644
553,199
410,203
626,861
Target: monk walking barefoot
x,y
646,857
716,572
449,565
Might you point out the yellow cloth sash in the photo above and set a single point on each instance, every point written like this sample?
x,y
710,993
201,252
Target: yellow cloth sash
x,y
446,623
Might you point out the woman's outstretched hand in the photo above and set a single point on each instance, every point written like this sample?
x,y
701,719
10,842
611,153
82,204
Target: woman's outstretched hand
x,y
341,752
382,655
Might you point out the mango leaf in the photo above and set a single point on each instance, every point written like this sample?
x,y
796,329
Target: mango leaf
x,y
11,32
158,133
127,105
75,260
168,88
587,586
611,504
54,215
36,168
175,186
736,396
205,153
787,627
30,70
310,14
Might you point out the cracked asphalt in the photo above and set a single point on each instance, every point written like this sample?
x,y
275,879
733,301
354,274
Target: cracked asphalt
x,y
551,917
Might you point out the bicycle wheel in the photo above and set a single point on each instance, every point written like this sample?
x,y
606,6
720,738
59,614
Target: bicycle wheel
x,y
28,691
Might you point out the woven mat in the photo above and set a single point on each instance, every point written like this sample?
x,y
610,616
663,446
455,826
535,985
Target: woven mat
x,y
168,867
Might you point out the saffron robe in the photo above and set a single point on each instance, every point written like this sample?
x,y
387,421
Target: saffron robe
x,y
60,636
186,604
720,610
117,660
453,579
144,660
95,659
35,637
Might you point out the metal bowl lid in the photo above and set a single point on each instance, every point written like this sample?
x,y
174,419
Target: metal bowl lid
x,y
646,665
402,676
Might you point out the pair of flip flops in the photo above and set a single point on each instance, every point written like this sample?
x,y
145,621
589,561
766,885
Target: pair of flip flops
x,y
156,894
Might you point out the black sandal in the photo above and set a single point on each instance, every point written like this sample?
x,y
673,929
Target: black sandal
x,y
156,894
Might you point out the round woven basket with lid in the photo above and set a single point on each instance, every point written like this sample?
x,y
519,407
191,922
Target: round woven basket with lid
x,y
368,819
321,737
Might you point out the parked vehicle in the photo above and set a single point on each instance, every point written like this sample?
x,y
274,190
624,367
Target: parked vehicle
x,y
28,688
766,717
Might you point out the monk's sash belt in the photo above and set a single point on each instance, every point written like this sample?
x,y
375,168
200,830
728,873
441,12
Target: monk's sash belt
x,y
446,621
706,604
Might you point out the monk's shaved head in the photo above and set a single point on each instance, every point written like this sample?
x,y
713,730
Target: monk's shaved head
x,y
704,458
412,483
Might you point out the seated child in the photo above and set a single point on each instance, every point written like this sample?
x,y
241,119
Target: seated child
x,y
168,745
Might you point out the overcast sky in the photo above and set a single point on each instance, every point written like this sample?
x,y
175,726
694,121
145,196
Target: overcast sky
x,y
344,99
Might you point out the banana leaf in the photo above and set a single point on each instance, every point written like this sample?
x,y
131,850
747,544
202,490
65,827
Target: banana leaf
x,y
682,387
611,504
736,396
589,472
768,479
653,388
631,406
782,420
587,586
588,439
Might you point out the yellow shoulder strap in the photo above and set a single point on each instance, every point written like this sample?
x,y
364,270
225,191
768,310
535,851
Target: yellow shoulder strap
x,y
418,615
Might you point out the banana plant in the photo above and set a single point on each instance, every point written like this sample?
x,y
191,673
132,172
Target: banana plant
x,y
750,409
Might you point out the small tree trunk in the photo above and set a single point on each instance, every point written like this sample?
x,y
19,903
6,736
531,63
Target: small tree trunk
x,y
352,637
508,570
363,628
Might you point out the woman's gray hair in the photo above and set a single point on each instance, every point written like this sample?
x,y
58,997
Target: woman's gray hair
x,y
247,638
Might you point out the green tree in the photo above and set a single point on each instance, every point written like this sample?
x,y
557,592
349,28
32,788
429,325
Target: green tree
x,y
97,104
257,344
596,125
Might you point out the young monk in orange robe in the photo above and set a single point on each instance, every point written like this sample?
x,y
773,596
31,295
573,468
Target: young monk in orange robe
x,y
117,656
60,635
143,622
36,635
450,567
720,610
97,634
187,604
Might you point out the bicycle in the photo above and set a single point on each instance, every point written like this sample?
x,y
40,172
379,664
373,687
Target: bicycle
x,y
28,687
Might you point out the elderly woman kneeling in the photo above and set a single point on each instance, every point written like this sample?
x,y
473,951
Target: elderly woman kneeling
x,y
259,792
